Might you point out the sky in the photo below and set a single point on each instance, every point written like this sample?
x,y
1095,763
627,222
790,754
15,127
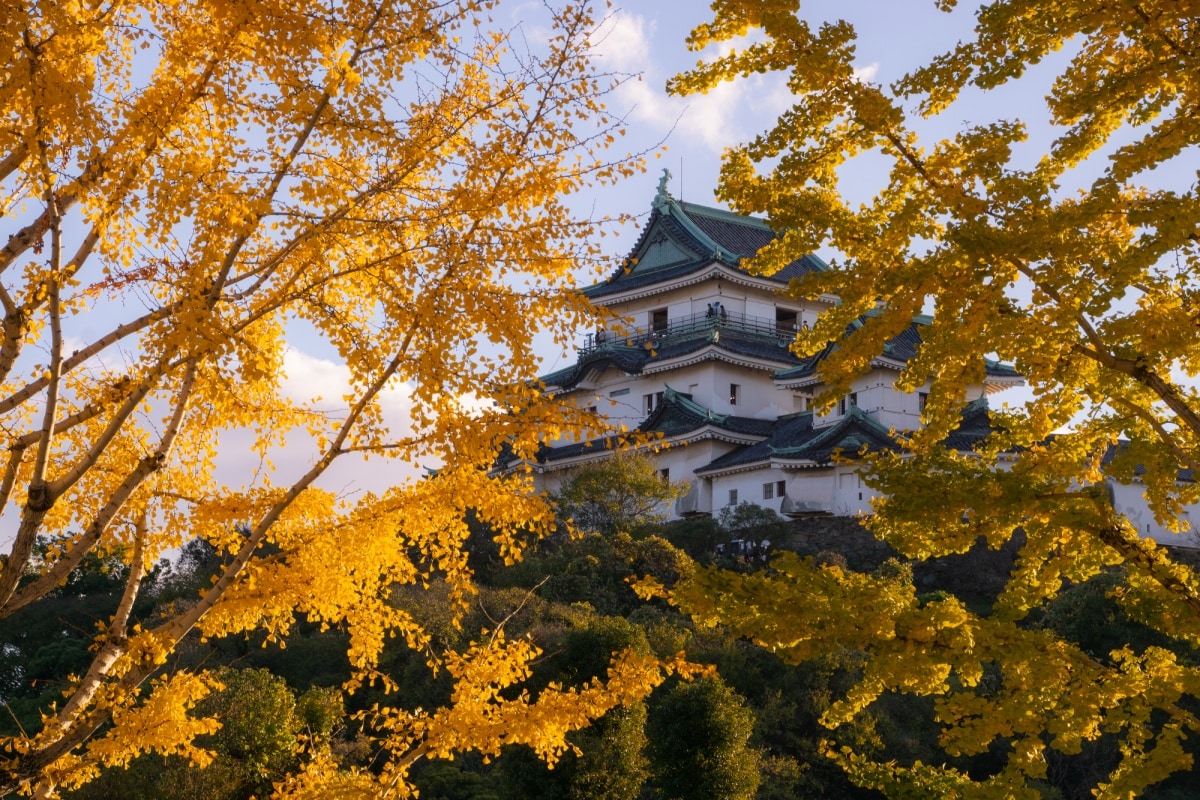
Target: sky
x,y
643,37
646,40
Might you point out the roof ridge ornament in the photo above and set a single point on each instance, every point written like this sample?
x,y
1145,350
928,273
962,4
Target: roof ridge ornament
x,y
663,199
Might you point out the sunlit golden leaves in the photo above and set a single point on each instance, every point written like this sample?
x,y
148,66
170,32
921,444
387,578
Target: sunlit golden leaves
x,y
194,189
1079,270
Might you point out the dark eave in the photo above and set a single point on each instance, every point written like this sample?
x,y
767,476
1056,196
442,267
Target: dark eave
x,y
756,343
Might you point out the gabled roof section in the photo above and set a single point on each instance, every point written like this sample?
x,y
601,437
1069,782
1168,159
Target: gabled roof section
x,y
850,434
787,429
627,359
794,441
683,238
677,415
974,427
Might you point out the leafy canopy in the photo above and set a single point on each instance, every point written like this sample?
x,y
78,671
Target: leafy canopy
x,y
1080,269
187,185
617,495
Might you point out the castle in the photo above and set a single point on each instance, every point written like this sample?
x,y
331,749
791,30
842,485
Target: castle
x,y
695,351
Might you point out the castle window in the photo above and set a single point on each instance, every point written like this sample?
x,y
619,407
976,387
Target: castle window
x,y
848,402
652,401
780,488
768,491
922,400
785,320
619,392
658,319
733,497
665,474
733,394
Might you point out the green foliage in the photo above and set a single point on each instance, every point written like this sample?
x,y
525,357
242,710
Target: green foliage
x,y
320,711
257,744
747,517
455,780
698,742
596,569
611,762
1091,616
40,647
619,494
258,726
698,536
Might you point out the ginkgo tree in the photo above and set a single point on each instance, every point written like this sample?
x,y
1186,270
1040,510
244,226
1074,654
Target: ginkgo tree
x,y
1079,266
186,184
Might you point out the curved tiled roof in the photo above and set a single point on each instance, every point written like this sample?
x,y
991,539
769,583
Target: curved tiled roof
x,y
702,235
974,427
795,439
734,342
678,414
634,360
791,428
791,438
628,359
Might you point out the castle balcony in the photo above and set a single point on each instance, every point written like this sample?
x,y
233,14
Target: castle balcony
x,y
708,326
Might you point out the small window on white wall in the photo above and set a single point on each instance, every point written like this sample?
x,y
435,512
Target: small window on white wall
x,y
658,319
733,394
733,497
922,400
848,402
651,401
665,474
780,488
768,491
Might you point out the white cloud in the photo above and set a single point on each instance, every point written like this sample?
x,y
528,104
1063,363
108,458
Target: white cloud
x,y
321,385
866,74
714,120
622,42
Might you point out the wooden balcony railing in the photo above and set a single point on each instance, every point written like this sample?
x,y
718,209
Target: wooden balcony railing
x,y
695,326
